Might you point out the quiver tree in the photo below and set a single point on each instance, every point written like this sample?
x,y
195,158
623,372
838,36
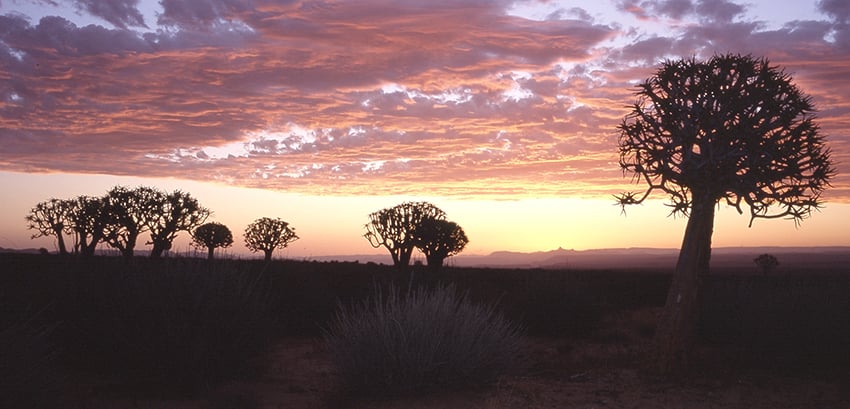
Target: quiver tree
x,y
127,214
88,223
766,262
266,235
395,228
175,212
734,129
51,218
438,239
210,236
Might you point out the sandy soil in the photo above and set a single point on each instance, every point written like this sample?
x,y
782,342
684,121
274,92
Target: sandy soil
x,y
601,372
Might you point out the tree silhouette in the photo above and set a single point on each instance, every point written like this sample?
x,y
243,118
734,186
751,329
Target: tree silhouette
x,y
766,262
88,223
732,128
438,239
394,228
50,218
176,211
212,235
267,234
127,214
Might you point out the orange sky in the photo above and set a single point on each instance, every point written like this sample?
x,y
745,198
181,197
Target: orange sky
x,y
502,113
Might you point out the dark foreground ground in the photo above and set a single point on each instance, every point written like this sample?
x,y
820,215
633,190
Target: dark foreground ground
x,y
237,334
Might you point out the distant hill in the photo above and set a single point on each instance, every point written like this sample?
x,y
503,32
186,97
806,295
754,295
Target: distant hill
x,y
834,259
24,251
739,258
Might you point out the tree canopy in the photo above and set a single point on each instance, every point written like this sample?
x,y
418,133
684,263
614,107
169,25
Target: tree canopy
x,y
438,239
211,236
732,128
267,234
51,218
176,211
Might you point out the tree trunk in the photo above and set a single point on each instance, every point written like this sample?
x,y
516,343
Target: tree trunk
x,y
268,254
156,250
435,262
160,246
676,330
62,250
404,258
210,251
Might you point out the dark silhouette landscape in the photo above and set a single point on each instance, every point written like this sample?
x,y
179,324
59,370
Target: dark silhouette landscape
x,y
181,332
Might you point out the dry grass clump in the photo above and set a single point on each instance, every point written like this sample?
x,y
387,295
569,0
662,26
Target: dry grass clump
x,y
420,340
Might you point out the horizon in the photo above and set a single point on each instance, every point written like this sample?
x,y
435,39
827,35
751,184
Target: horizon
x,y
502,113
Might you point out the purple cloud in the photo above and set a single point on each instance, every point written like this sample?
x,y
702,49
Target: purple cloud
x,y
455,98
121,13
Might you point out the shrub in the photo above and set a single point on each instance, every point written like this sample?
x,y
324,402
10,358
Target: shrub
x,y
425,339
766,262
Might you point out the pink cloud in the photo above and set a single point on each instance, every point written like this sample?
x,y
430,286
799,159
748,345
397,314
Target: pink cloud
x,y
451,98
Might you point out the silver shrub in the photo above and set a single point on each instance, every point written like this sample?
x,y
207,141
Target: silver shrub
x,y
420,340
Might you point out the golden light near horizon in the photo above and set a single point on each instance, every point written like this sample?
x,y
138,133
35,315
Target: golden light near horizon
x,y
502,115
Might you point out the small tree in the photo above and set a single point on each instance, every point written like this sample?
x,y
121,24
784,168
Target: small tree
x,y
438,239
210,236
766,262
50,218
267,234
395,228
177,211
732,128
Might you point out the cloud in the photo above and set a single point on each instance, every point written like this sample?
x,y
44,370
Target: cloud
x,y
838,9
451,98
200,13
121,13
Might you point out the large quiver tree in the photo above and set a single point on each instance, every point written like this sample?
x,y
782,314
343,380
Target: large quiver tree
x,y
395,228
732,128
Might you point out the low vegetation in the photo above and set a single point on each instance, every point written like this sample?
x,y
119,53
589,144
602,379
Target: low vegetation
x,y
420,340
182,326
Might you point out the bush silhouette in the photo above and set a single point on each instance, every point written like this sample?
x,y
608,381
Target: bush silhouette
x,y
426,339
766,262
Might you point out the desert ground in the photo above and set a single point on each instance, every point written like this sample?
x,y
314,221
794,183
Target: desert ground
x,y
765,342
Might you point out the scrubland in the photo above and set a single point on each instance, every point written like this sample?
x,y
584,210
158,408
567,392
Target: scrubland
x,y
104,332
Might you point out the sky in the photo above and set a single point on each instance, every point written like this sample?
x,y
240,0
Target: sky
x,y
501,113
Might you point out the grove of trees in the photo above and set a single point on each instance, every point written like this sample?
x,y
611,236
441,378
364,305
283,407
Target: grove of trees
x,y
734,129
117,219
402,228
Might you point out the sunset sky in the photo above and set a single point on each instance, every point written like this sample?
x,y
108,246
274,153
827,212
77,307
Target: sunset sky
x,y
502,113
